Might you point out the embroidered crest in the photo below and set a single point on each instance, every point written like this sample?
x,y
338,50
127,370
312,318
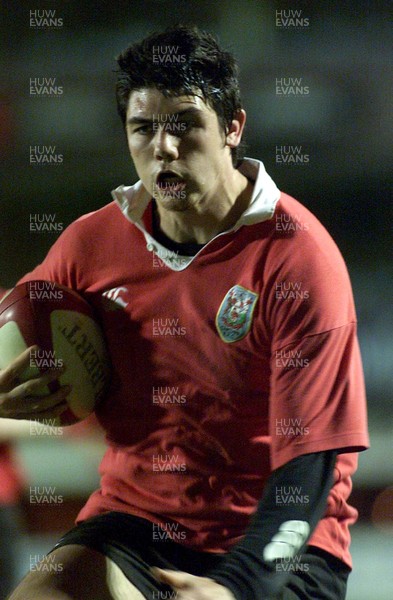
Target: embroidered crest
x,y
233,320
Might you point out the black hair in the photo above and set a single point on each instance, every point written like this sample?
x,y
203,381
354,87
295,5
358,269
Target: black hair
x,y
182,60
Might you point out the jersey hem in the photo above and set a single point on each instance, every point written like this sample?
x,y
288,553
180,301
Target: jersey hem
x,y
346,444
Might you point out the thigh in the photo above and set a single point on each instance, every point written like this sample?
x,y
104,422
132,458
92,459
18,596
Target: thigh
x,y
75,572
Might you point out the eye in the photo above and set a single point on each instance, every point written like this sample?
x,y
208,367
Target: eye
x,y
182,127
189,124
143,129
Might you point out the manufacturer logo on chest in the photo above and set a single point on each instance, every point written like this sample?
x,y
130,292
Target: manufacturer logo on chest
x,y
234,317
113,298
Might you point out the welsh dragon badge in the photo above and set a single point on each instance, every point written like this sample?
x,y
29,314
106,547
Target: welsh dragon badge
x,y
234,317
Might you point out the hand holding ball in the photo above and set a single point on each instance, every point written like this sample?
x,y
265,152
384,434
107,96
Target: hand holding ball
x,y
61,326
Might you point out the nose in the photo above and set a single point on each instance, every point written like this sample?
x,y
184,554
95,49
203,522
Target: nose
x,y
165,145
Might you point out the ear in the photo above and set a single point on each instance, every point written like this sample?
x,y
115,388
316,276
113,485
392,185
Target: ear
x,y
234,135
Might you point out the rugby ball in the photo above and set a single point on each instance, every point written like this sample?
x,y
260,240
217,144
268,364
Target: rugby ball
x,y
62,324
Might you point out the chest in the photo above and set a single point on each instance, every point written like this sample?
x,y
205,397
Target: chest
x,y
200,327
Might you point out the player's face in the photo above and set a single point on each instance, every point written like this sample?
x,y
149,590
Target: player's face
x,y
178,148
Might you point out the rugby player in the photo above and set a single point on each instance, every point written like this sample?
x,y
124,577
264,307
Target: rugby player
x,y
237,404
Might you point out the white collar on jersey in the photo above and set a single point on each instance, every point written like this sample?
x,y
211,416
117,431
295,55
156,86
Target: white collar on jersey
x,y
133,200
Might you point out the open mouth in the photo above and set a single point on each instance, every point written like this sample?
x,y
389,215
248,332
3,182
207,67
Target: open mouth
x,y
170,182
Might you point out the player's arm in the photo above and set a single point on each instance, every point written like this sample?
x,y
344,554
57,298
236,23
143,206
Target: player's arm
x,y
22,400
277,531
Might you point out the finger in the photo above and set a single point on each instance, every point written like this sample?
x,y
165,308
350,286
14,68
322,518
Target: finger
x,y
44,417
18,402
11,373
34,385
177,579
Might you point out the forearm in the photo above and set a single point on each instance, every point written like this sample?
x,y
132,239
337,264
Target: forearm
x,y
249,570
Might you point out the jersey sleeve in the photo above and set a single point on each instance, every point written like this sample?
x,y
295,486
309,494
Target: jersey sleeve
x,y
320,404
62,263
317,392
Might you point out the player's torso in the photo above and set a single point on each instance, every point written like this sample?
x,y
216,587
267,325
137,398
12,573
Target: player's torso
x,y
187,414
188,347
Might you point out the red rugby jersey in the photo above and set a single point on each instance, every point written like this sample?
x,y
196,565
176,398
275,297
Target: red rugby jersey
x,y
225,365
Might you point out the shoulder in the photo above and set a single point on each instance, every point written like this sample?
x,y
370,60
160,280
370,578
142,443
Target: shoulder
x,y
299,241
298,226
106,217
103,224
306,281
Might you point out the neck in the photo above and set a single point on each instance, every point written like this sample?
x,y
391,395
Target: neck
x,y
204,221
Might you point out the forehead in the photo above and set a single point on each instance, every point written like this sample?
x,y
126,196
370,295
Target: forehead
x,y
147,101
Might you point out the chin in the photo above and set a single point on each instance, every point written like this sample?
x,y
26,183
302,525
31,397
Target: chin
x,y
174,205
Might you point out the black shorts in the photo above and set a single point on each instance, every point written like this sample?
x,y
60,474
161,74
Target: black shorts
x,y
132,543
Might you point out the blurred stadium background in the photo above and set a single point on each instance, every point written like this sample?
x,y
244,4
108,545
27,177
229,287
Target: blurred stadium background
x,y
341,52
